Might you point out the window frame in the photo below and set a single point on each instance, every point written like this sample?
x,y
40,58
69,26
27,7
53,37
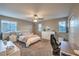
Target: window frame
x,y
64,26
8,22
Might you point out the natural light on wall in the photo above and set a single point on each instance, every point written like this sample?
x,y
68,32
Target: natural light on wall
x,y
74,22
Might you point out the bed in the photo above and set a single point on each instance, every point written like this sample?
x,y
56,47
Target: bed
x,y
29,39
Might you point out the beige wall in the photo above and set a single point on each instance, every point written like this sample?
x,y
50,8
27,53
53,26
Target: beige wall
x,y
33,27
74,28
53,23
22,25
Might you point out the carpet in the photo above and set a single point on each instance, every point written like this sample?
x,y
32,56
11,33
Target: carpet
x,y
40,48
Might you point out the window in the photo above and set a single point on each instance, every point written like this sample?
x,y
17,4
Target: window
x,y
62,26
8,26
39,27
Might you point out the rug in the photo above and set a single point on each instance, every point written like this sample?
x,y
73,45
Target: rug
x,y
40,48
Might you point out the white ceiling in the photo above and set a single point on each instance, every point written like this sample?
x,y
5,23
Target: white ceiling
x,y
24,10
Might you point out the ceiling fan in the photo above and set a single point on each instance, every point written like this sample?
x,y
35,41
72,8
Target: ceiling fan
x,y
36,18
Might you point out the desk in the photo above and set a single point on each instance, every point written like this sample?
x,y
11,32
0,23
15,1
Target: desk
x,y
66,49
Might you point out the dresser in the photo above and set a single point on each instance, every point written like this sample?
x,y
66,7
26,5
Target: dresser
x,y
47,34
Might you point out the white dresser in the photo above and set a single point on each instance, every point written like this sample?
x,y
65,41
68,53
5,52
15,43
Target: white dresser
x,y
47,34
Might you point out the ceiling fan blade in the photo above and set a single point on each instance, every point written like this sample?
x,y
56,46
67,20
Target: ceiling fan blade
x,y
33,17
40,18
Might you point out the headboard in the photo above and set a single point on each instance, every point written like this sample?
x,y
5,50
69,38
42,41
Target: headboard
x,y
5,35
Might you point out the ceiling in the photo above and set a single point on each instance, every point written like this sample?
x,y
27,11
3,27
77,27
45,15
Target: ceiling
x,y
45,10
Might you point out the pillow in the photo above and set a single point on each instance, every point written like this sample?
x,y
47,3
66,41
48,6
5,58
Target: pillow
x,y
20,34
13,37
22,38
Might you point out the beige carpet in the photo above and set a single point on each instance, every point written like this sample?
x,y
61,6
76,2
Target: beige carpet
x,y
41,48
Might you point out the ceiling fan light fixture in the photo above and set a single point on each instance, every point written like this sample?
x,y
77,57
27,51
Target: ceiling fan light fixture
x,y
35,20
